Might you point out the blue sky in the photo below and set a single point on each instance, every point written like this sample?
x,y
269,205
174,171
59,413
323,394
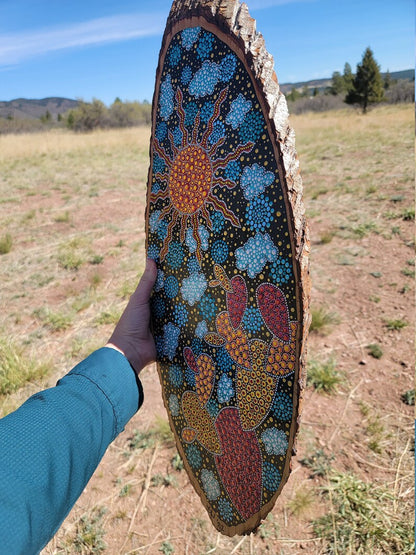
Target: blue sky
x,y
106,48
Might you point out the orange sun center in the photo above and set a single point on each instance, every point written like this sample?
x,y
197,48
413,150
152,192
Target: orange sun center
x,y
190,179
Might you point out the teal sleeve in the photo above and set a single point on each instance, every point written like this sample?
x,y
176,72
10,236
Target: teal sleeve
x,y
51,445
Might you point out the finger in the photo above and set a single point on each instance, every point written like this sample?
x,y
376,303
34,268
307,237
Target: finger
x,y
146,283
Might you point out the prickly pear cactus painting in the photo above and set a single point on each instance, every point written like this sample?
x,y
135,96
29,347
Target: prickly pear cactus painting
x,y
225,225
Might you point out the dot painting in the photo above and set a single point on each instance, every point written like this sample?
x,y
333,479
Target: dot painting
x,y
225,310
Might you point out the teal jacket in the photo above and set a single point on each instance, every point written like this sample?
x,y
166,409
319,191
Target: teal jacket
x,y
51,445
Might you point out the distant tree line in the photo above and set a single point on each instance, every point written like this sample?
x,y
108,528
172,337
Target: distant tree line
x,y
95,115
364,88
87,116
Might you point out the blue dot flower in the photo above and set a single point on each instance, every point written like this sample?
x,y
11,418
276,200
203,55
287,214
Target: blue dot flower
x,y
177,136
197,347
161,131
210,484
207,111
190,113
201,329
271,477
193,265
175,375
218,222
282,406
259,213
174,55
171,287
213,408
224,361
159,345
218,133
252,320
204,47
233,171
174,405
275,441
158,164
207,307
228,67
281,270
158,307
251,128
190,376
225,509
186,75
225,389
219,251
153,252
162,229
189,37
180,315
194,456
175,255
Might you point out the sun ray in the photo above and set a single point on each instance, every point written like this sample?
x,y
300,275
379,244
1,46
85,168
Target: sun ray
x,y
162,152
206,216
222,162
224,183
228,214
164,194
172,144
217,108
195,234
184,226
168,239
162,177
181,113
196,129
216,146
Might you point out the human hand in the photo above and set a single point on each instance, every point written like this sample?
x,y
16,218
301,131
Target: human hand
x,y
131,335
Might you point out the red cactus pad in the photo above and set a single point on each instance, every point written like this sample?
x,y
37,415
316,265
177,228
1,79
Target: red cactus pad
x,y
273,308
237,300
240,464
190,359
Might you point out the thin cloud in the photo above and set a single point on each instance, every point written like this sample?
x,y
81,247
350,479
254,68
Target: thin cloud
x,y
263,4
17,47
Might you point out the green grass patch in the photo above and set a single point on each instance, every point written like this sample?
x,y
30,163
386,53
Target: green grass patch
x,y
63,218
362,519
54,321
396,324
6,243
323,320
16,368
408,397
318,462
324,376
375,350
89,537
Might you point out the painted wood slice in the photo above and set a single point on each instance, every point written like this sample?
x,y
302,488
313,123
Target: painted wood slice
x,y
225,225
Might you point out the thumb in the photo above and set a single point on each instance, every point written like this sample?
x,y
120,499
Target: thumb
x,y
146,283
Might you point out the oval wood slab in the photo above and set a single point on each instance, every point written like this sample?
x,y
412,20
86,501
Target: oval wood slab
x,y
225,224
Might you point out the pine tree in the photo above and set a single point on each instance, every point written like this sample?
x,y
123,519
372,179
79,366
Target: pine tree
x,y
368,84
348,78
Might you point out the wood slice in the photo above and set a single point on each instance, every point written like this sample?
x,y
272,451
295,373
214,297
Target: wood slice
x,y
225,223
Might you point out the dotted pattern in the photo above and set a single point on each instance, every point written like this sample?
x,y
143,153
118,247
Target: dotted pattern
x,y
224,311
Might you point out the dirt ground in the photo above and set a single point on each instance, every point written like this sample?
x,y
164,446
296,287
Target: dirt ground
x,y
358,180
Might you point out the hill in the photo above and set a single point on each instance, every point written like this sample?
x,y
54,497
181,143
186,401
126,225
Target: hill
x,y
321,84
23,108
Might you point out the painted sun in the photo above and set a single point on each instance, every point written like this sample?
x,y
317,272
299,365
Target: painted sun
x,y
190,179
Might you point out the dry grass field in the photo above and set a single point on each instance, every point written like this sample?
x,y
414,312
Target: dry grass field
x,y
72,250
